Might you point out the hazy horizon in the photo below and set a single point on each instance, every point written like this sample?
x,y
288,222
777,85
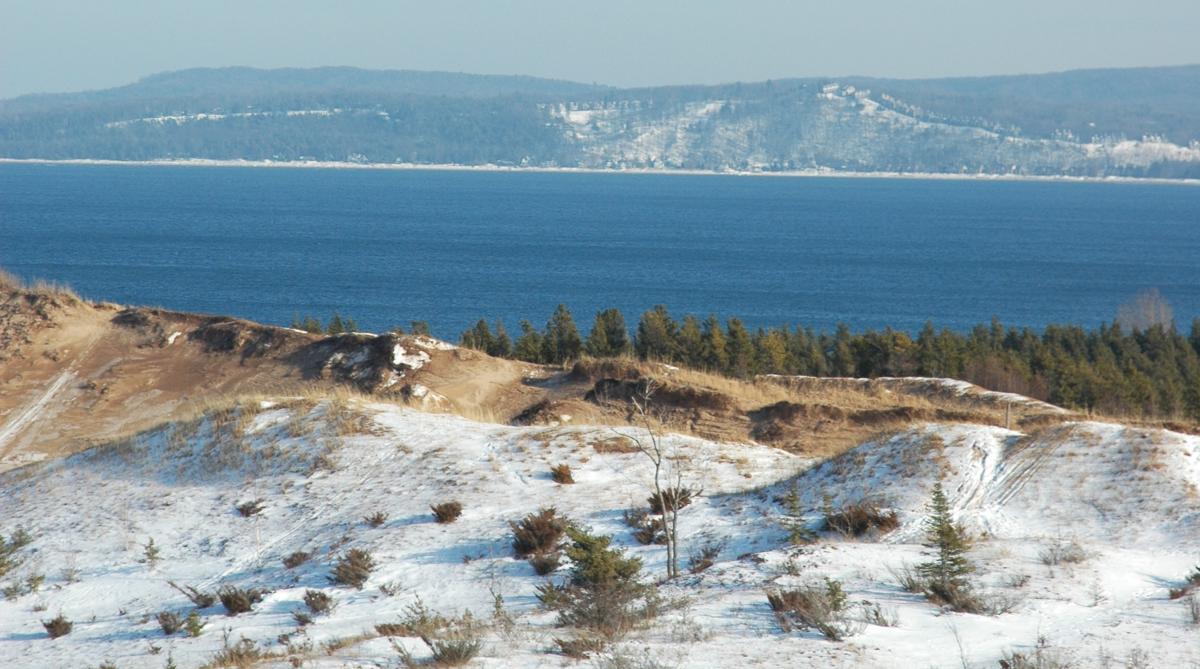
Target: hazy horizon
x,y
67,45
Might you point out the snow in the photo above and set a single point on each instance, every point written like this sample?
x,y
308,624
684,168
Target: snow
x,y
1127,495
410,360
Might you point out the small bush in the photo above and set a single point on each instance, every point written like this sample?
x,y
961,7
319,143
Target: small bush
x,y
251,508
302,618
57,627
1193,609
545,563
237,600
447,512
418,620
672,499
1062,552
860,518
562,474
194,625
170,622
704,558
353,568
202,600
581,647
241,654
647,529
452,642
296,559
602,594
1190,584
956,596
820,607
318,602
538,533
376,519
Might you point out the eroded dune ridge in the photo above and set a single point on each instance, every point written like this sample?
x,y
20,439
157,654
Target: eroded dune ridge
x,y
155,457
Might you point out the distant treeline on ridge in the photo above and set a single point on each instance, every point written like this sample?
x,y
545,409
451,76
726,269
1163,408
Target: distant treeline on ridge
x,y
1148,371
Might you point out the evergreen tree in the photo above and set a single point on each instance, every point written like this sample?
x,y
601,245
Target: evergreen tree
x,y
561,342
715,354
336,326
478,337
739,349
690,343
529,344
609,337
656,336
502,346
420,328
843,355
947,571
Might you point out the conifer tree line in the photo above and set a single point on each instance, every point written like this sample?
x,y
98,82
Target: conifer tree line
x,y
1150,372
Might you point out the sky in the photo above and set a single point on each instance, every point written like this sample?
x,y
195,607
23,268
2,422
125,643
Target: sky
x,y
69,45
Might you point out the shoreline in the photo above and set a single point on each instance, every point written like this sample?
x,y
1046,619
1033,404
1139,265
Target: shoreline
x,y
453,167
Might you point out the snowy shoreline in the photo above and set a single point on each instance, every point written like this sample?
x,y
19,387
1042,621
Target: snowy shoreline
x,y
451,167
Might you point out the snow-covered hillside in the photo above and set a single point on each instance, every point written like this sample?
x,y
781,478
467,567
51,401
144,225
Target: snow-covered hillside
x,y
1127,497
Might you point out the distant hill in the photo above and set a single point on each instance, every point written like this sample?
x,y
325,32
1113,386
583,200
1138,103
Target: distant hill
x,y
1123,122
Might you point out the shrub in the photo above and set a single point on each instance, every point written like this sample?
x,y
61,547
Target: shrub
x,y
447,512
59,626
820,607
545,563
296,559
170,622
353,568
237,600
580,647
538,533
1191,583
672,499
376,519
946,573
318,602
705,557
151,552
647,529
202,600
562,474
1062,552
194,625
251,508
241,654
302,618
603,593
857,519
418,620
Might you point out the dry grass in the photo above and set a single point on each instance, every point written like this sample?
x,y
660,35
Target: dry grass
x,y
10,282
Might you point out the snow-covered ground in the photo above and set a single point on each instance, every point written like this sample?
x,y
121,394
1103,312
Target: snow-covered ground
x,y
1127,496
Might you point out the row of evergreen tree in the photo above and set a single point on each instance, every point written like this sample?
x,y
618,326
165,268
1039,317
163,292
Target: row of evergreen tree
x,y
1154,372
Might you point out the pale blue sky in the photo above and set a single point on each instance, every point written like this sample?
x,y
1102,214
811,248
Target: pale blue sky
x,y
62,45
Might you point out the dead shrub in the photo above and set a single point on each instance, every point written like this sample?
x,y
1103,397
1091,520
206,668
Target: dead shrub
x,y
318,602
647,529
241,655
58,626
238,600
705,557
1193,608
545,563
353,568
418,620
538,533
818,606
1190,584
860,518
296,559
580,647
1061,551
447,512
170,622
672,499
562,474
202,600
251,508
376,519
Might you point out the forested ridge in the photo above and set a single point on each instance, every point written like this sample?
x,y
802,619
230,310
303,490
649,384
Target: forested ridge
x,y
1150,372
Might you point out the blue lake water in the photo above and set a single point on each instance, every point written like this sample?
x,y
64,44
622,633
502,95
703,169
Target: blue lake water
x,y
449,247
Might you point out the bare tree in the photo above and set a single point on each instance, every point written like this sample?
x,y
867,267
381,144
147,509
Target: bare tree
x,y
1147,309
668,496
